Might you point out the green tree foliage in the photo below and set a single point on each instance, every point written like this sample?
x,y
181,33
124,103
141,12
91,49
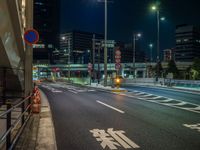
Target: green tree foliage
x,y
158,69
173,69
196,69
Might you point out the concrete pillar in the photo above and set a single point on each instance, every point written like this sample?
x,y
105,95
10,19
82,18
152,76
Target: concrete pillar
x,y
28,50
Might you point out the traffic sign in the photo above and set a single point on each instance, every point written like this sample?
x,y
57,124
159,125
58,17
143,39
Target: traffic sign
x,y
117,57
118,61
89,67
31,37
117,66
117,52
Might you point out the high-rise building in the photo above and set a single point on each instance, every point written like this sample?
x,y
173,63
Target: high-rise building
x,y
46,21
79,44
127,53
187,43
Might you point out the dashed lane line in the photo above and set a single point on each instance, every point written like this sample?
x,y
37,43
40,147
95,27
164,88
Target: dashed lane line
x,y
109,106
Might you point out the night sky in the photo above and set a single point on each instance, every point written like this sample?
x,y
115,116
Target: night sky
x,y
126,16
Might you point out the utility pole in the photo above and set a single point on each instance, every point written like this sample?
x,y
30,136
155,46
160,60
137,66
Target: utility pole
x,y
134,38
105,47
69,53
93,55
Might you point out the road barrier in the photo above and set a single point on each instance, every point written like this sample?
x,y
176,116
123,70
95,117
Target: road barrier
x,y
15,128
36,98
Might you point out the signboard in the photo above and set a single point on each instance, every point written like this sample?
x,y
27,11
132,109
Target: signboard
x,y
117,59
109,43
31,37
117,66
89,67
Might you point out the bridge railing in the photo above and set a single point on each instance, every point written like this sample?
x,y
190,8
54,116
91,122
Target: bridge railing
x,y
14,125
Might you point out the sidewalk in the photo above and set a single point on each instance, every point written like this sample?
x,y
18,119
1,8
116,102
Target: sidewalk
x,y
39,132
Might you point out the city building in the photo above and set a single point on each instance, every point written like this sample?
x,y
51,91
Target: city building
x,y
187,43
79,45
127,53
46,21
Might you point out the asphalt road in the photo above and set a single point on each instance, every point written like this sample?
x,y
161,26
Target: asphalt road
x,y
94,120
179,95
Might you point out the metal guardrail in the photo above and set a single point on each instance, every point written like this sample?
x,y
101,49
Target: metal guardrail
x,y
8,139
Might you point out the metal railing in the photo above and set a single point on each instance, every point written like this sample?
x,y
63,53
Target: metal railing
x,y
15,128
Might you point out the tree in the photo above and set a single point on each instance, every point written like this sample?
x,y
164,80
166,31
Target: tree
x,y
196,68
158,69
173,69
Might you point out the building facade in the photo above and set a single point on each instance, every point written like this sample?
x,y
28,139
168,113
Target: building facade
x,y
187,43
46,21
79,45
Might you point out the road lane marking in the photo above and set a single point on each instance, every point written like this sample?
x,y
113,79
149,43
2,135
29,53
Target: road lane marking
x,y
73,91
193,126
180,104
113,139
166,101
118,110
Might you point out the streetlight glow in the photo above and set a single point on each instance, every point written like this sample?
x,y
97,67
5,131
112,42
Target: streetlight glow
x,y
139,35
154,8
151,45
162,18
63,38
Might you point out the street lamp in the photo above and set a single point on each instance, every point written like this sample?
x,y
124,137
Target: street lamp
x,y
155,8
151,47
105,41
68,43
136,36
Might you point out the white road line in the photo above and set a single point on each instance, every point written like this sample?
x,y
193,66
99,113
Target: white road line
x,y
156,97
196,108
147,95
180,104
73,91
167,100
118,110
140,93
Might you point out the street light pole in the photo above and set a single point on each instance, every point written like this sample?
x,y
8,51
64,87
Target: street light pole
x,y
134,38
158,35
151,47
105,47
69,74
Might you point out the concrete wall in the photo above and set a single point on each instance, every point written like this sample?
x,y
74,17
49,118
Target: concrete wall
x,y
15,56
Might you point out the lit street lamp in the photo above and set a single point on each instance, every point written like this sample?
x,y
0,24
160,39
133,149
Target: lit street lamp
x,y
69,52
136,36
155,8
151,47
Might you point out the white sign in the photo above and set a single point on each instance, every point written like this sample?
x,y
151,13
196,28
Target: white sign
x,y
113,139
117,52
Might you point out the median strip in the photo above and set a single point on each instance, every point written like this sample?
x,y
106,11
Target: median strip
x,y
118,110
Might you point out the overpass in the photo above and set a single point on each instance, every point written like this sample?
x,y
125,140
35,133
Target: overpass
x,y
81,70
15,55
